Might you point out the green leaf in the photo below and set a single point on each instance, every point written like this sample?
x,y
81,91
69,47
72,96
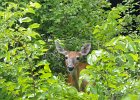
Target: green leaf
x,y
46,75
131,47
134,56
46,68
35,25
123,58
97,29
21,29
41,42
1,13
112,85
43,62
7,58
30,10
26,19
131,97
32,33
51,80
120,47
35,5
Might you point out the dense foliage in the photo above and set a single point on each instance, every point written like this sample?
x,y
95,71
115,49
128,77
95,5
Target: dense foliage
x,y
30,67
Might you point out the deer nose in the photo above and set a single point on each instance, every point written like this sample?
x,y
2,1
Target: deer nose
x,y
70,68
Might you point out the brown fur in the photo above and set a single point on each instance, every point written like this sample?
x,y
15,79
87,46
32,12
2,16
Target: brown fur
x,y
73,65
73,54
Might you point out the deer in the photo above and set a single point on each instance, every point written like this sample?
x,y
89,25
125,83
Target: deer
x,y
73,65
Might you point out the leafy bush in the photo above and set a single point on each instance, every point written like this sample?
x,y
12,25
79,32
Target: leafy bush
x,y
20,51
28,28
21,72
115,70
70,21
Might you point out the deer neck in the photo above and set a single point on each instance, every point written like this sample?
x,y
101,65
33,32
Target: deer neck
x,y
75,77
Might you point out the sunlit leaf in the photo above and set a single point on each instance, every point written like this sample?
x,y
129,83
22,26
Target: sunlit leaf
x,y
46,68
112,85
131,97
25,19
30,10
36,5
43,62
41,42
35,25
97,29
46,75
134,56
8,56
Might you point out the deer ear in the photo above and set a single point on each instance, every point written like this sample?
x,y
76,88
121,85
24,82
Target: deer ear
x,y
59,48
85,49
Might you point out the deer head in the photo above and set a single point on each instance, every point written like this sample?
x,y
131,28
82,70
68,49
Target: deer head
x,y
72,57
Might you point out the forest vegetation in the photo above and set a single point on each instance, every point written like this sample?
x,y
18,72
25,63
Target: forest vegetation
x,y
32,69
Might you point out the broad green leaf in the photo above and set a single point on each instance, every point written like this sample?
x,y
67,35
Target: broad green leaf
x,y
43,62
131,47
52,81
97,29
21,29
137,40
30,10
35,25
112,85
7,58
32,33
41,42
25,19
123,58
46,75
6,46
120,47
1,13
46,68
7,15
134,56
35,5
44,50
131,97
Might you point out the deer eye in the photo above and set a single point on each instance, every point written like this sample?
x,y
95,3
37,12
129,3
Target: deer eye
x,y
78,58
